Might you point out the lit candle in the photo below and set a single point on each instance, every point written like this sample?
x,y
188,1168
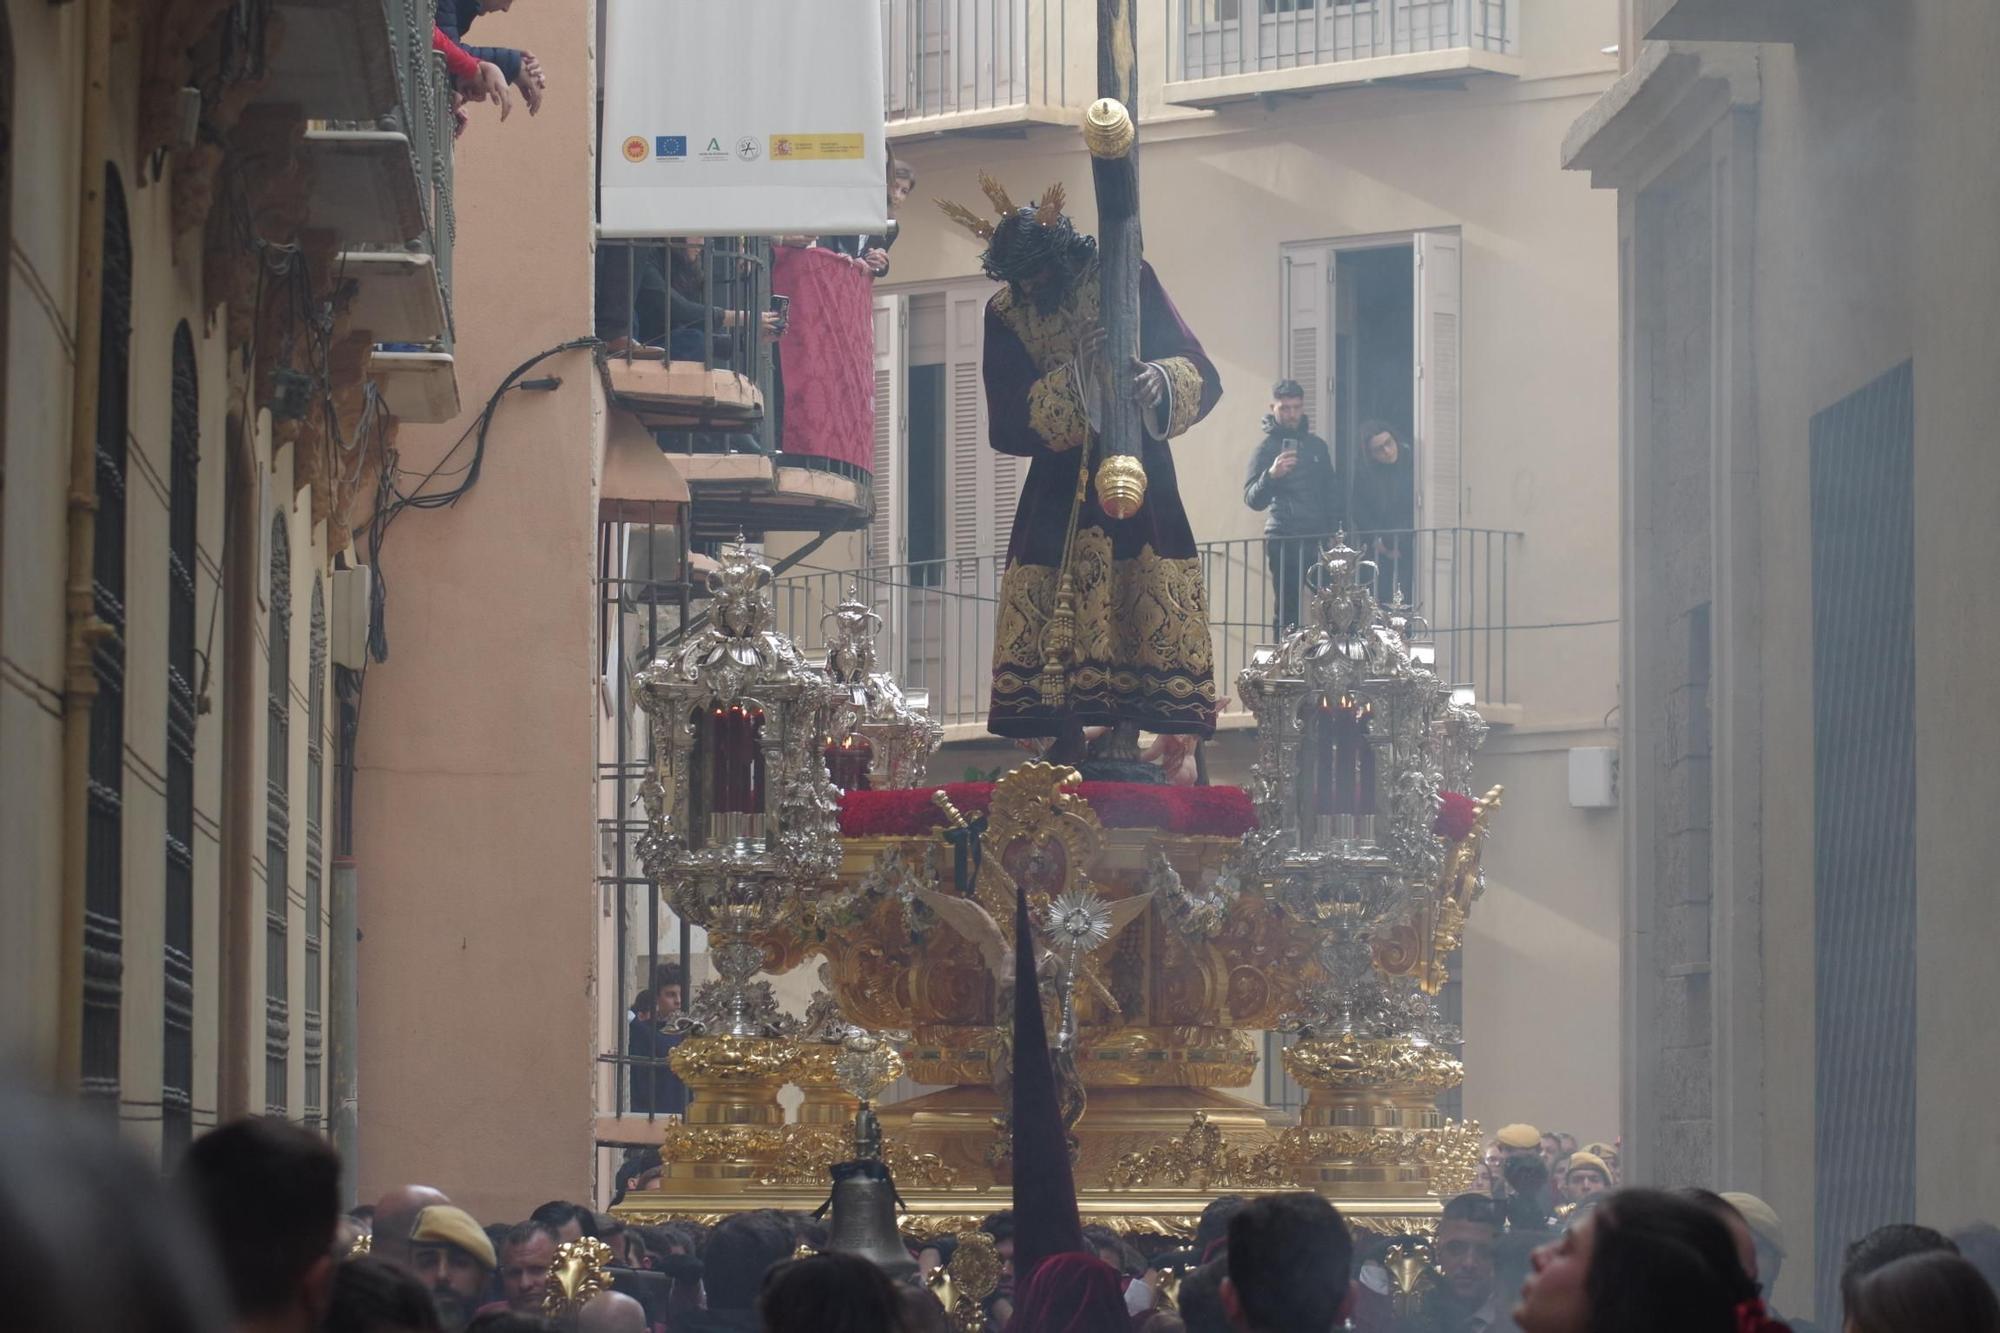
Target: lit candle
x,y
1323,744
1365,799
1344,759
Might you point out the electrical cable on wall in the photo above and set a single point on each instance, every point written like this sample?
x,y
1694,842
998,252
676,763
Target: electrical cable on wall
x,y
392,499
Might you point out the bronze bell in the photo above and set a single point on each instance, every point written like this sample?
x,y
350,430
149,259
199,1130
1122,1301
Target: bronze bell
x,y
864,1218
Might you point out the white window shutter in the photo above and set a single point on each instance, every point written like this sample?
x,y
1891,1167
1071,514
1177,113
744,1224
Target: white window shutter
x,y
1440,481
885,528
1307,334
1440,492
896,64
969,471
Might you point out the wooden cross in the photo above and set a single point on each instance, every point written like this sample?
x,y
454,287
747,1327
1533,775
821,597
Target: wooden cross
x,y
1115,180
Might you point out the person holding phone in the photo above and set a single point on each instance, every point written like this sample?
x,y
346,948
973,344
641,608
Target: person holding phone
x,y
1293,481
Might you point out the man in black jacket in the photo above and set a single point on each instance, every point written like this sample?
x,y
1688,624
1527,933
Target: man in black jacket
x,y
1293,479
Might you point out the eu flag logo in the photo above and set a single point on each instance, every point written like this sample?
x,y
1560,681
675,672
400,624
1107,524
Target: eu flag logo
x,y
670,145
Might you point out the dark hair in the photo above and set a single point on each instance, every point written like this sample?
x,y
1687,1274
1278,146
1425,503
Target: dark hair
x,y
1022,248
523,1232
945,1245
1934,1291
363,1213
829,1293
1200,1299
1882,1247
507,1321
1287,389
1289,1261
923,1312
999,1225
269,1195
374,1296
1980,1244
1478,1208
1661,1263
644,1002
557,1213
664,975
740,1250
1214,1223
107,1245
1365,432
1104,1238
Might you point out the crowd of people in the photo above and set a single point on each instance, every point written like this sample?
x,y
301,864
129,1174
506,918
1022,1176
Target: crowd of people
x,y
247,1234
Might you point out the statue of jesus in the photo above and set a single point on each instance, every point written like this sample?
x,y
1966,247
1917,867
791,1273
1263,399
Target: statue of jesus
x,y
1103,622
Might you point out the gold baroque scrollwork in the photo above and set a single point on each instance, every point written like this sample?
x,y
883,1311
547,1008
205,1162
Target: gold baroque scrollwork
x,y
1203,1158
721,1143
809,1150
1349,1062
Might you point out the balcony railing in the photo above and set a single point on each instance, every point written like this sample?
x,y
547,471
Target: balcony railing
x,y
1214,39
938,615
959,57
424,108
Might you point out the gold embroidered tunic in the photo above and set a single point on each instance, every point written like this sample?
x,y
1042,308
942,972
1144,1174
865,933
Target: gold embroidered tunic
x,y
1142,652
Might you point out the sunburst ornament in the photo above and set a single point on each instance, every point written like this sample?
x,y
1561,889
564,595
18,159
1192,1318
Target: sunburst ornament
x,y
1078,922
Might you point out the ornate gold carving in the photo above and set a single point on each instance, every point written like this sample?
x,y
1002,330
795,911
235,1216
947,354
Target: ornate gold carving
x,y
1347,1062
809,1150
725,1059
996,194
1048,210
1201,1158
579,1271
721,1144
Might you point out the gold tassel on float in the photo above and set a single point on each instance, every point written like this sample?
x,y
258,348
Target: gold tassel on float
x,y
1059,635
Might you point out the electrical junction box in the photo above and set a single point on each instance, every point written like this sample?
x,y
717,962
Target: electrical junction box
x,y
1593,777
353,599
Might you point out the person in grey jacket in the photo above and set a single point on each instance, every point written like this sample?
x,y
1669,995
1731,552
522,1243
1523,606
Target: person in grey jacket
x,y
1294,482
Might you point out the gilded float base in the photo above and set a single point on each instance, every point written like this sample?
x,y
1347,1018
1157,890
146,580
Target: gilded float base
x,y
1162,1212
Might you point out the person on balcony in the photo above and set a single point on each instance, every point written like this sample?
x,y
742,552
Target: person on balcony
x,y
1385,506
472,79
873,251
1295,484
520,68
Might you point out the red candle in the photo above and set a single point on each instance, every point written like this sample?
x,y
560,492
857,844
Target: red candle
x,y
1365,797
737,764
1323,736
1345,758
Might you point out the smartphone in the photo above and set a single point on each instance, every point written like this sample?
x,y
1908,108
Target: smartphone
x,y
782,305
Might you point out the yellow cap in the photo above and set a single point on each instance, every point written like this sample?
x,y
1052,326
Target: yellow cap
x,y
442,1224
1604,1150
1764,1224
1519,1136
1590,1161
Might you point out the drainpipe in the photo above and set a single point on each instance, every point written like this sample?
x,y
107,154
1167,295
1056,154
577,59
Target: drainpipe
x,y
84,629
343,1011
241,1035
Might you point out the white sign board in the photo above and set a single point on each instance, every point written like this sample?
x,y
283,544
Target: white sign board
x,y
743,117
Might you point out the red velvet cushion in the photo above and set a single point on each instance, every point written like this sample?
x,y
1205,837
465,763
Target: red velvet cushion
x,y
1223,812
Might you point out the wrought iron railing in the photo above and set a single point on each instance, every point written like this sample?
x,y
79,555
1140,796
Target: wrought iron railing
x,y
1211,39
423,113
948,57
938,614
695,299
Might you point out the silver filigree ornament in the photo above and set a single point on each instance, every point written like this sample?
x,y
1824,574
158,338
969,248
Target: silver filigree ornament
x,y
896,723
1353,856
742,820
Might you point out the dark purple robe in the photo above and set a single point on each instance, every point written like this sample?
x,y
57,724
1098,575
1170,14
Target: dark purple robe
x,y
1142,652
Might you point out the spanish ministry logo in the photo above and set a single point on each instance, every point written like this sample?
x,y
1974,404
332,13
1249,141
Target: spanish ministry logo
x,y
635,149
669,146
748,148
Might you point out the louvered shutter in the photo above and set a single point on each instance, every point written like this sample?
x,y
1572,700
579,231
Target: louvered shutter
x,y
1439,484
885,528
1308,330
982,488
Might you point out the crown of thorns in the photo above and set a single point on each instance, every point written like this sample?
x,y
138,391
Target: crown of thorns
x,y
1047,211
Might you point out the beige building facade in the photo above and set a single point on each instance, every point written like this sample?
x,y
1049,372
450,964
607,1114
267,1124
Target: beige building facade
x,y
1807,313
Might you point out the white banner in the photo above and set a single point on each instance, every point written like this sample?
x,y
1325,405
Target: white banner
x,y
743,117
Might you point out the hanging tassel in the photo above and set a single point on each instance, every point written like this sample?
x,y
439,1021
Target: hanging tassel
x,y
1058,645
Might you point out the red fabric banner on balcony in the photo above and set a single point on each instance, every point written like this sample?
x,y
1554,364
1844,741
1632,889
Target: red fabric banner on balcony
x,y
829,355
